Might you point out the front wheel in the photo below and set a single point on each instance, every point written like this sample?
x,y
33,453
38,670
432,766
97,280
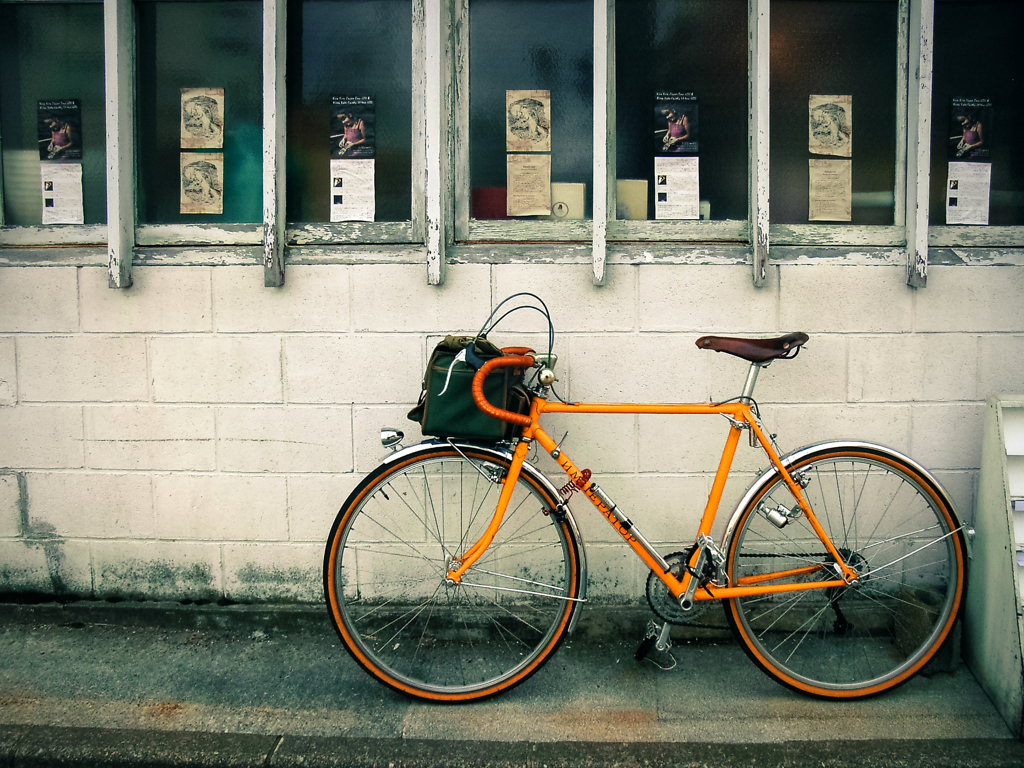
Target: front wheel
x,y
390,549
894,527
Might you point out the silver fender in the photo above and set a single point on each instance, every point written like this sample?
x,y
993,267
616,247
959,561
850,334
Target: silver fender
x,y
791,458
500,452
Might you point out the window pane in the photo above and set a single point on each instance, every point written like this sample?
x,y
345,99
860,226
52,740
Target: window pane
x,y
834,48
349,48
532,45
697,47
199,45
978,55
50,52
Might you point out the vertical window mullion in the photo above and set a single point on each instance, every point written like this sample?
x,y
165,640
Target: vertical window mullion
x,y
419,101
460,108
439,121
902,78
919,117
604,133
760,38
274,141
119,42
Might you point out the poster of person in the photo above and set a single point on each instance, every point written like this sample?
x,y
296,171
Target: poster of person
x,y
59,129
970,130
202,182
202,118
527,121
830,125
352,127
676,121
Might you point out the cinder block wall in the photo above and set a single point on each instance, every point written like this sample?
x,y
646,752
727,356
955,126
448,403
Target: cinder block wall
x,y
194,436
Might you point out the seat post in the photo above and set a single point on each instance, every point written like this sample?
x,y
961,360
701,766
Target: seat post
x,y
748,387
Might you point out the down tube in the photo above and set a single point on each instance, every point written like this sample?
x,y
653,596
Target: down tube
x,y
621,524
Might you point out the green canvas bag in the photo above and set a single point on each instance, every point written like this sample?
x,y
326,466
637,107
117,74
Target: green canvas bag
x,y
446,407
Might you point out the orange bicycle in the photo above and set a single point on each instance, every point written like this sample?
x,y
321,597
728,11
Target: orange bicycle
x,y
455,569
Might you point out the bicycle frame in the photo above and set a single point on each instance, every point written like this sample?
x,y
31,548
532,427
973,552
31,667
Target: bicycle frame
x,y
741,417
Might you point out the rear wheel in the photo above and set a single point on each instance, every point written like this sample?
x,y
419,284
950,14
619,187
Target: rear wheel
x,y
891,525
385,566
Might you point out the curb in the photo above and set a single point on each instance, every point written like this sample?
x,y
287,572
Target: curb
x,y
51,747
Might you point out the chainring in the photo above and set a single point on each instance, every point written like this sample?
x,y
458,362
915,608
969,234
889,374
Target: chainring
x,y
662,601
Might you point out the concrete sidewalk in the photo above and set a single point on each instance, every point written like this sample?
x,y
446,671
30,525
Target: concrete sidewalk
x,y
96,684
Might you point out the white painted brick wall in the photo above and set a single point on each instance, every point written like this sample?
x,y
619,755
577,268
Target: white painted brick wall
x,y
10,506
8,372
38,299
88,367
195,435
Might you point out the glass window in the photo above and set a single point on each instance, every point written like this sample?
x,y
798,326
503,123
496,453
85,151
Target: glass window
x,y
51,51
199,45
531,45
978,57
349,48
697,47
834,48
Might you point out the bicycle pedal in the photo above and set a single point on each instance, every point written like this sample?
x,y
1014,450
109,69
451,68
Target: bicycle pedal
x,y
645,648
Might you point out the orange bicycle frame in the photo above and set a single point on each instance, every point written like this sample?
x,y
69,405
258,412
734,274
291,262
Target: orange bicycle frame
x,y
740,415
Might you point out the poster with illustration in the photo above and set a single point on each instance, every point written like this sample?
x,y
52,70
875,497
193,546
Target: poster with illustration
x,y
202,118
527,121
676,123
970,130
59,130
353,128
202,182
830,125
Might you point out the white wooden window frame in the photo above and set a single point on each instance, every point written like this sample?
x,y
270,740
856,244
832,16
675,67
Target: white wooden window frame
x,y
440,215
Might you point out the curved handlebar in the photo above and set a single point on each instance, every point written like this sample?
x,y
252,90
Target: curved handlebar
x,y
509,361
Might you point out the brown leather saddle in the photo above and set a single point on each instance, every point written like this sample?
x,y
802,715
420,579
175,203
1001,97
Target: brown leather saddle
x,y
756,350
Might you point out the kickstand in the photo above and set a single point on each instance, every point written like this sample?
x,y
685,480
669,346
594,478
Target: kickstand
x,y
658,638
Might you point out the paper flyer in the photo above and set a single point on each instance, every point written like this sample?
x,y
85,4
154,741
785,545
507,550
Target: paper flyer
x,y
527,121
676,121
353,127
59,130
202,182
967,193
830,193
202,118
62,193
529,185
676,188
352,190
631,199
970,131
830,125
568,201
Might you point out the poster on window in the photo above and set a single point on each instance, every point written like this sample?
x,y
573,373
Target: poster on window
x,y
676,188
830,190
967,192
970,130
59,125
202,182
830,125
676,123
527,121
352,190
528,179
202,118
62,193
353,127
